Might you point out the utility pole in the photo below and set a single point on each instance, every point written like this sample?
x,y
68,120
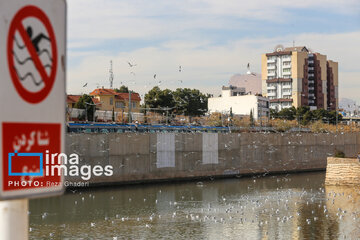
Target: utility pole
x,y
260,114
167,116
111,77
86,115
129,108
336,117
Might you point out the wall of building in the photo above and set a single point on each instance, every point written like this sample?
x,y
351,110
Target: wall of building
x,y
241,105
264,74
106,106
342,171
298,60
334,68
323,78
165,156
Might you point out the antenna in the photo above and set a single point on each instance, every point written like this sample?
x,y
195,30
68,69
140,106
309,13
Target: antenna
x,y
293,43
111,77
248,69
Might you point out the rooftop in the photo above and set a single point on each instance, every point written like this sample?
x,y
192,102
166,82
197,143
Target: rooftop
x,y
111,92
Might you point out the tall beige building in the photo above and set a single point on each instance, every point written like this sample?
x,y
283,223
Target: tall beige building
x,y
295,76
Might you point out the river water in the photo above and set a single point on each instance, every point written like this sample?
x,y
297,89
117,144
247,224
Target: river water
x,y
293,206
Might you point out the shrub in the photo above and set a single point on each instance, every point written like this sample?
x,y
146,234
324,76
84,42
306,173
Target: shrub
x,y
339,154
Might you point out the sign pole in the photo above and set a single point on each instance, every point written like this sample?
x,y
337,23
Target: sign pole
x,y
14,220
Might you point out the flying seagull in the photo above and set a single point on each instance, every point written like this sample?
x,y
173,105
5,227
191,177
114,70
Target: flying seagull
x,y
85,85
154,76
131,65
179,68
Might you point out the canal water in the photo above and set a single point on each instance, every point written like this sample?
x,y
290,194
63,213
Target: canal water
x,y
293,206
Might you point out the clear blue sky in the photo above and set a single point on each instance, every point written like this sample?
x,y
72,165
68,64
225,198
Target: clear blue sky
x,y
211,40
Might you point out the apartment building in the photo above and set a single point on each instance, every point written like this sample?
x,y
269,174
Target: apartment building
x,y
296,76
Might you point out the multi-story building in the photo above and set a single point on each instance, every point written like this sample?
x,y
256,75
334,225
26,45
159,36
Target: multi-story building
x,y
237,101
295,76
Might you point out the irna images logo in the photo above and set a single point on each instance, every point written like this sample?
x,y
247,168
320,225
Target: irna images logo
x,y
55,165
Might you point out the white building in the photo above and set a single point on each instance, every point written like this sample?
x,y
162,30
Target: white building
x,y
235,99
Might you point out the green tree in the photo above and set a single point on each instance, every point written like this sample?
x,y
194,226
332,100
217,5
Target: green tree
x,y
157,98
190,102
252,122
331,116
274,113
306,118
86,102
122,89
288,113
320,114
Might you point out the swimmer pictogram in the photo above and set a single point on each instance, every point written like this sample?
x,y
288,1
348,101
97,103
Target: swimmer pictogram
x,y
32,54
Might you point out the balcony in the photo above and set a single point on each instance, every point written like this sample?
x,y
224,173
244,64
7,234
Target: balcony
x,y
287,93
311,61
271,87
271,60
271,67
271,94
311,68
311,75
286,59
272,74
286,86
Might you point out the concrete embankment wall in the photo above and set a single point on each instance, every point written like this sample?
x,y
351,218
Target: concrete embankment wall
x,y
165,156
342,171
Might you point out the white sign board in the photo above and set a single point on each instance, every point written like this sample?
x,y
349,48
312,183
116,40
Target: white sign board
x,y
32,96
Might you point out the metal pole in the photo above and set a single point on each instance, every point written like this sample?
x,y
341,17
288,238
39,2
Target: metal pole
x,y
167,116
336,118
260,116
14,220
129,108
86,115
94,113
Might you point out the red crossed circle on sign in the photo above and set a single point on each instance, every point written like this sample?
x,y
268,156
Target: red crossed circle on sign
x,y
17,25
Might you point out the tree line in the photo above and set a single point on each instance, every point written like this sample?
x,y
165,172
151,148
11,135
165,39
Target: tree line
x,y
186,101
304,115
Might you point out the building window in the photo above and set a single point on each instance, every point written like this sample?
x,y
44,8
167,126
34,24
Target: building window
x,y
133,104
119,104
111,101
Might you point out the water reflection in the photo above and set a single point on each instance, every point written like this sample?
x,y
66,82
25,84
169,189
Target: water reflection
x,y
275,207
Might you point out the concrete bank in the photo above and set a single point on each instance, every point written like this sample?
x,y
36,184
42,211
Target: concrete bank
x,y
167,156
342,171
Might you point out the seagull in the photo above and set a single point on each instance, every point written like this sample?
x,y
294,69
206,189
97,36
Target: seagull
x,y
154,76
131,65
133,73
179,68
85,85
180,81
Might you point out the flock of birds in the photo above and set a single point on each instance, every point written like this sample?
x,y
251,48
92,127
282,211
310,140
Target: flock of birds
x,y
250,212
132,65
